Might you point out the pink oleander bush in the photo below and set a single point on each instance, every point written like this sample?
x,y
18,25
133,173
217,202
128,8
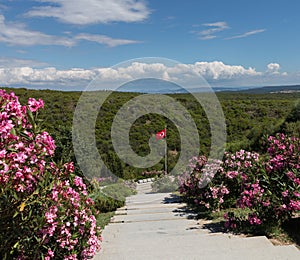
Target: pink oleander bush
x,y
266,186
195,183
45,210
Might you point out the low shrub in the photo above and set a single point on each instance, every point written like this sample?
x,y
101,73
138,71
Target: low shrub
x,y
164,184
111,197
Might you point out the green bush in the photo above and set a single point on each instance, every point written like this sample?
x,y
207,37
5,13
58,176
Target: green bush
x,y
111,197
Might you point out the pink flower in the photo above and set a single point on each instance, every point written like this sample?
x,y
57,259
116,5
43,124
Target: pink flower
x,y
71,257
79,182
20,157
69,166
254,220
291,175
285,193
224,190
51,214
283,207
2,153
232,174
297,181
55,194
266,203
35,105
214,192
50,253
247,164
46,143
295,205
297,194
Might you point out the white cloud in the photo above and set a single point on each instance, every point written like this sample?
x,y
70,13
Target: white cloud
x,y
217,70
208,37
217,26
18,34
103,39
273,68
246,34
92,11
212,29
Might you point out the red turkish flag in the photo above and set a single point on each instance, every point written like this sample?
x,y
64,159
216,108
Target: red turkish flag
x,y
161,134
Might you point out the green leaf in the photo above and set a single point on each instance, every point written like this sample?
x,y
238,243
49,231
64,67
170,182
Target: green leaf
x,y
30,213
15,196
16,245
13,131
24,135
16,213
30,117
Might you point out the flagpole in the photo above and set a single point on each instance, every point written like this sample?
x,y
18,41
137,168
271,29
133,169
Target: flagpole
x,y
166,153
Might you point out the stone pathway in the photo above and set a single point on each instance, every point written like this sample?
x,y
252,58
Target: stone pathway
x,y
155,226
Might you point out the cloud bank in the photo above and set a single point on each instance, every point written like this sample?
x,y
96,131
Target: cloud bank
x,y
215,73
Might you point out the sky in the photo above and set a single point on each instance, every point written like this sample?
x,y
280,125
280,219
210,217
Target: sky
x,y
65,44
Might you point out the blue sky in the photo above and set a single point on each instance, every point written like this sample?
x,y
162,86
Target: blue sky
x,y
64,44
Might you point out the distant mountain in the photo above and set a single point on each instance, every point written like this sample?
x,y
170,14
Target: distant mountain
x,y
271,89
157,86
151,86
232,89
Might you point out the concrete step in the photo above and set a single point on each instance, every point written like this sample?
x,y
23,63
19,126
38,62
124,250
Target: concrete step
x,y
184,248
151,210
149,227
201,255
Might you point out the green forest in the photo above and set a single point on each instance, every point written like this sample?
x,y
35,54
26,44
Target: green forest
x,y
249,118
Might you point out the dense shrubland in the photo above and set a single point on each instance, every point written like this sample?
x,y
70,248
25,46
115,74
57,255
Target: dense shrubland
x,y
249,117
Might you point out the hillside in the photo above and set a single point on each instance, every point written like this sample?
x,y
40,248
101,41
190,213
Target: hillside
x,y
248,117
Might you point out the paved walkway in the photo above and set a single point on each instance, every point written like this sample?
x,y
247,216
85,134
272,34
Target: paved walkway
x,y
154,226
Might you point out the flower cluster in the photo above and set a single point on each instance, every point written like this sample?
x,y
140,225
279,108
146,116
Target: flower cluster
x,y
190,179
251,195
195,183
77,219
269,187
47,206
34,105
22,153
